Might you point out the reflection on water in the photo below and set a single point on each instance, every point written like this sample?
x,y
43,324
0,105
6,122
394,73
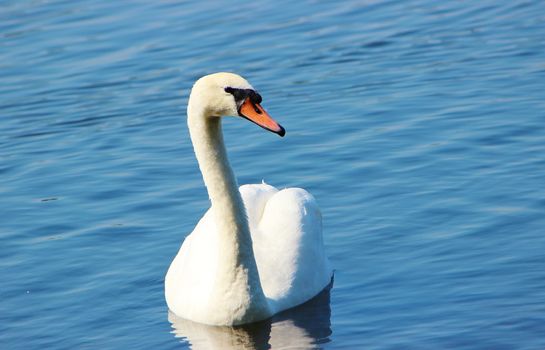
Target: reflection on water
x,y
299,328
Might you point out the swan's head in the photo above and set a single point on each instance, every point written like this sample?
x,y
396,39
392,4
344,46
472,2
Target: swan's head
x,y
228,94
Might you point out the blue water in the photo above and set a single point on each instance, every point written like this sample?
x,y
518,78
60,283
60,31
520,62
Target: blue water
x,y
419,127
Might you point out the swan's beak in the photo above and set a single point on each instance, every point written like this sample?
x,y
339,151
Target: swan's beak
x,y
255,113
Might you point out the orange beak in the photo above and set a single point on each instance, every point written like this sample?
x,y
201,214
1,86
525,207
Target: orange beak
x,y
255,113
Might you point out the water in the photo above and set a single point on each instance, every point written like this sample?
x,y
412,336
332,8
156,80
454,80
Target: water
x,y
418,126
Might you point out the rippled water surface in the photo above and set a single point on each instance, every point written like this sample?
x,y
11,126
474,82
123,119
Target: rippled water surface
x,y
419,126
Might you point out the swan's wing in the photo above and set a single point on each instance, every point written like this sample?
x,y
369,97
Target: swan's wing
x,y
286,231
255,197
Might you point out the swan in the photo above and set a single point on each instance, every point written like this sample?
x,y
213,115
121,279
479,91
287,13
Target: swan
x,y
258,250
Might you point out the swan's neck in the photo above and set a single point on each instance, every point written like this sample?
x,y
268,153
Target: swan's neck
x,y
237,275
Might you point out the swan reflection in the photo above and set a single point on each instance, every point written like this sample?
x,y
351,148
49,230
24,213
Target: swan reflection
x,y
302,327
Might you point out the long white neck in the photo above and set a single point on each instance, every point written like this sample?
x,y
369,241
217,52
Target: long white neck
x,y
237,274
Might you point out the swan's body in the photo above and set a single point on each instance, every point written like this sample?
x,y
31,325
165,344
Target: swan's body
x,y
257,251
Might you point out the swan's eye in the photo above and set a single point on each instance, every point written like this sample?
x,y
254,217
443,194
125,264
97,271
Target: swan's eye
x,y
238,94
241,95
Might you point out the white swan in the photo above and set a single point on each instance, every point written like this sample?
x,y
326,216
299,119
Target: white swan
x,y
255,252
